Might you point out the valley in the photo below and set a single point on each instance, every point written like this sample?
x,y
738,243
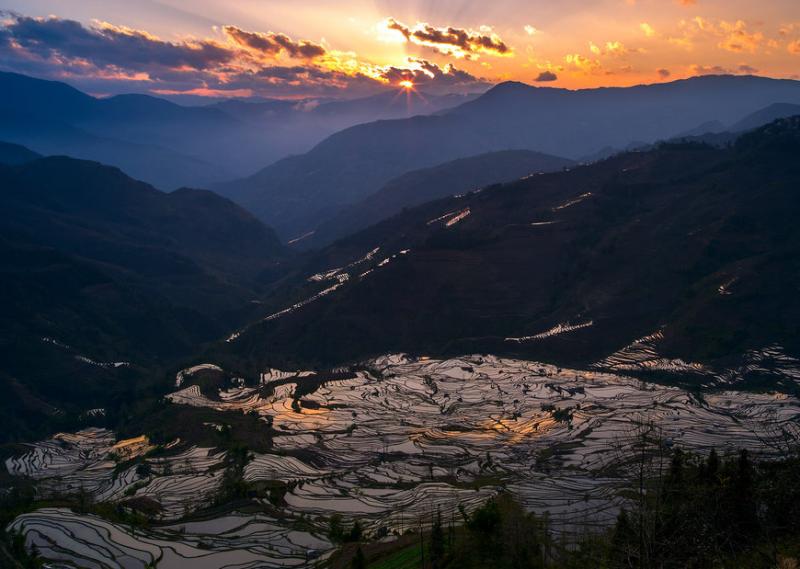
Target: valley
x,y
421,285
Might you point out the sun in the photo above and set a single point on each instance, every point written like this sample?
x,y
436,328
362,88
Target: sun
x,y
407,85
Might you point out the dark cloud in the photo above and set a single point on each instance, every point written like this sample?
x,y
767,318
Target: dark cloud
x,y
709,70
107,59
451,39
720,70
107,45
546,76
663,73
274,44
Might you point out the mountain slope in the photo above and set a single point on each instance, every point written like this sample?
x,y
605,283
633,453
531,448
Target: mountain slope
x,y
766,115
297,194
157,165
99,268
576,123
13,154
58,101
141,134
695,241
420,186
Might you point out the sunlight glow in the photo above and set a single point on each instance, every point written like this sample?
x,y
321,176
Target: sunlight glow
x,y
408,85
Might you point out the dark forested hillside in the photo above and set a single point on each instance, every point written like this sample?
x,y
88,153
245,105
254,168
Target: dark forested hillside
x,y
428,184
13,154
104,276
698,240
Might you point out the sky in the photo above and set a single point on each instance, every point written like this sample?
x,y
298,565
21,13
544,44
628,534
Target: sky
x,y
351,48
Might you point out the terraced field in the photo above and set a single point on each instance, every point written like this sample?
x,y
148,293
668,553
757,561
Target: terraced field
x,y
396,440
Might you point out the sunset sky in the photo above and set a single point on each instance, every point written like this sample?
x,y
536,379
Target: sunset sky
x,y
348,48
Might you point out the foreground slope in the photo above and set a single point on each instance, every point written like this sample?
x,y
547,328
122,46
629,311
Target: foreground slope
x,y
693,244
104,276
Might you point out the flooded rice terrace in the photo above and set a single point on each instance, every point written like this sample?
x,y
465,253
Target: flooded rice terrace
x,y
397,441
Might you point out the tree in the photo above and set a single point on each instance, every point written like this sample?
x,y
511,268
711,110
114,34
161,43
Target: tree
x,y
712,467
356,533
437,542
359,562
745,517
623,543
335,529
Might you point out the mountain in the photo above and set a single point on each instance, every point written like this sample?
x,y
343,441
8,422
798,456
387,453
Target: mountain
x,y
695,245
428,184
297,194
134,132
716,134
58,101
170,145
766,115
105,278
13,154
576,123
158,165
708,127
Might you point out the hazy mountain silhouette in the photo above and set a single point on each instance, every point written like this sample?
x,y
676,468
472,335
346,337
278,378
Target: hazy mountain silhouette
x,y
420,186
716,134
171,145
128,131
766,115
298,193
702,241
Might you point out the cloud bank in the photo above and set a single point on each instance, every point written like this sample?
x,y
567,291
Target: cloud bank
x,y
106,58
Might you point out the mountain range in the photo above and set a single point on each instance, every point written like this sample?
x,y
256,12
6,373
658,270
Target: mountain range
x,y
170,145
297,194
419,245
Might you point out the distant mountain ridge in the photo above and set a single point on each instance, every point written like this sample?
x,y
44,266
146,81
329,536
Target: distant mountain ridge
x,y
766,115
170,145
299,193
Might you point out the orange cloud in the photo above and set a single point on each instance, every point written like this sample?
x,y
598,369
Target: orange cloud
x,y
611,49
648,30
578,62
697,69
736,38
733,36
247,62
